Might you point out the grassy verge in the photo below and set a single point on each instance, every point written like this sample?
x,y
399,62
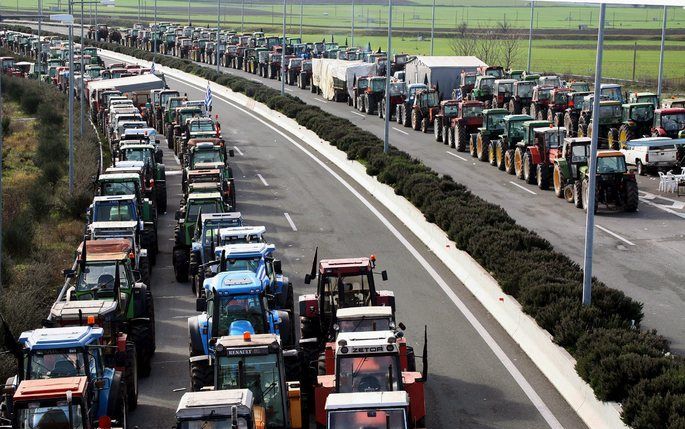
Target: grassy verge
x,y
42,221
618,360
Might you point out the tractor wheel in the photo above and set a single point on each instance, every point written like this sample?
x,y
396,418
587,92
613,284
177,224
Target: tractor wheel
x,y
170,136
625,134
568,124
529,169
578,194
201,375
180,265
558,119
446,136
131,375
121,407
144,268
509,161
161,198
518,163
381,109
437,130
473,150
559,183
460,137
588,131
495,104
550,116
582,130
500,155
533,111
612,139
143,337
398,113
586,199
631,198
542,174
640,167
486,104
415,120
482,143
491,153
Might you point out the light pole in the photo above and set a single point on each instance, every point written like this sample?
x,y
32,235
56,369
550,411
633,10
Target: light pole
x,y
301,14
530,33
352,23
155,35
188,12
386,140
433,28
40,45
285,11
218,33
242,17
590,217
1,184
82,71
71,101
661,55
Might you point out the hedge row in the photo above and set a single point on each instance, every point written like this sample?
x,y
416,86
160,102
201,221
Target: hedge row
x,y
620,362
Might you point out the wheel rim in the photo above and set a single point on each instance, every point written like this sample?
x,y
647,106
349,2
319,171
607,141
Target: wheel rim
x,y
479,146
526,170
498,154
557,180
518,162
622,137
491,152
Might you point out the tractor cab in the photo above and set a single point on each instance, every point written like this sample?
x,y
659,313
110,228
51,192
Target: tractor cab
x,y
612,91
515,74
668,122
387,410
370,361
579,86
364,319
466,83
493,122
119,237
241,234
637,121
202,128
502,92
483,88
219,409
495,71
673,102
644,97
552,81
574,155
521,96
207,233
341,283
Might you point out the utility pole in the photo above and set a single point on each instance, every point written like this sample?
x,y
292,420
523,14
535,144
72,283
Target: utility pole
x,y
71,101
189,12
40,45
590,216
301,14
634,59
661,55
82,66
530,33
285,14
1,130
242,17
352,44
218,33
386,136
433,28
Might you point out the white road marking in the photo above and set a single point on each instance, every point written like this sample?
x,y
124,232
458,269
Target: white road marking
x,y
628,242
290,221
238,150
357,113
262,179
664,208
173,172
522,187
289,90
400,131
478,327
177,160
455,155
321,100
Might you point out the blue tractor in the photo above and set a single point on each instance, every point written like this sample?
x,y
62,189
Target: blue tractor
x,y
71,351
235,302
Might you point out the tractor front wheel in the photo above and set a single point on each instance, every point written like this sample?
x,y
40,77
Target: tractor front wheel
x,y
415,120
201,375
143,337
446,136
131,375
612,138
500,155
424,125
639,166
518,163
625,134
473,150
509,163
482,143
491,153
559,182
180,265
578,194
437,130
529,169
631,198
542,174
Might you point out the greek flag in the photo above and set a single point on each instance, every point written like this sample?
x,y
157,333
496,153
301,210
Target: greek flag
x,y
152,68
457,94
208,97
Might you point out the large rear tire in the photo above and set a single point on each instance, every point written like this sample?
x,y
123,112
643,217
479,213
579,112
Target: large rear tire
x,y
559,182
529,169
482,143
131,375
578,194
473,149
461,137
437,130
142,336
201,375
542,175
491,153
632,197
625,134
518,162
500,154
509,163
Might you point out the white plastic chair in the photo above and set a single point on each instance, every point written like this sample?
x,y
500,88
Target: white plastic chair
x,y
667,182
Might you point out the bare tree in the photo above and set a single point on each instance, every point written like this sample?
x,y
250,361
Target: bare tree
x,y
487,42
463,42
509,45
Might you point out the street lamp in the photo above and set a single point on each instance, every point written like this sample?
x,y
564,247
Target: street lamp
x,y
433,28
285,11
386,140
661,54
352,23
218,33
530,33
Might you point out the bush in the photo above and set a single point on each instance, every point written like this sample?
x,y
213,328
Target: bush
x,y
17,235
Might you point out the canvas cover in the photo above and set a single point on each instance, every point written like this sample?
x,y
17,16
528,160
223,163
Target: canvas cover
x,y
442,73
325,71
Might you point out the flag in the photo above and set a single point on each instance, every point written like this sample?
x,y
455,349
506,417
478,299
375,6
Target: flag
x,y
208,97
457,94
152,68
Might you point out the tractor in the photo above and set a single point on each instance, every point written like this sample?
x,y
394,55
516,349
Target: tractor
x,y
540,101
572,113
234,408
176,122
483,89
610,120
612,91
443,119
575,153
210,154
515,74
186,218
644,97
616,187
120,185
304,78
426,105
558,104
505,144
369,409
673,102
157,181
371,90
544,147
495,71
463,122
293,69
521,97
523,162
503,90
578,86
493,126
404,110
668,122
196,128
638,119
398,92
466,83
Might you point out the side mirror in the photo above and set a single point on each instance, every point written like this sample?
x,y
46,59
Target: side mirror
x,y
69,273
231,153
200,305
384,275
271,300
277,267
307,279
402,326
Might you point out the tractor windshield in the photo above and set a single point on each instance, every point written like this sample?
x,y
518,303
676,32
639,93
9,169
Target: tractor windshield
x,y
673,122
341,292
201,126
612,93
137,154
525,90
58,363
260,374
207,207
213,156
544,94
243,264
371,419
114,211
611,164
241,307
486,85
364,324
610,111
57,416
213,422
579,153
430,99
472,111
505,88
561,97
516,130
378,85
371,373
642,113
398,88
496,121
118,188
469,79
451,110
98,277
555,137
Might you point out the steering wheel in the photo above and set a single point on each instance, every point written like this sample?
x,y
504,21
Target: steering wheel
x,y
369,383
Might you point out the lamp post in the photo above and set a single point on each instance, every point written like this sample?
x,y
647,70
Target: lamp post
x,y
301,15
285,11
592,165
188,12
386,139
155,35
242,17
82,70
218,33
352,23
433,28
71,101
530,33
661,55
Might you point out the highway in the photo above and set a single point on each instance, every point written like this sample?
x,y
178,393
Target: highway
x,y
478,377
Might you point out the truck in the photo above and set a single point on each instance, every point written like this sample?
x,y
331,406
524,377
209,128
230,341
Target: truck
x,y
335,79
441,72
652,154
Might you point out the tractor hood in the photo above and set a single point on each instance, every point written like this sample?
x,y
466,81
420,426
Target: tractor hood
x,y
234,283
77,312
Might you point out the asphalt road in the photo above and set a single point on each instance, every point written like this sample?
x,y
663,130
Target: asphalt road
x,y
469,386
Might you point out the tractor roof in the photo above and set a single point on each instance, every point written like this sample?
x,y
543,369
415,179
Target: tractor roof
x,y
205,143
609,154
518,118
256,232
75,311
235,283
255,340
644,94
610,85
59,338
135,145
215,403
217,217
50,388
246,250
344,266
367,400
363,312
366,342
499,81
204,196
549,129
203,172
130,164
121,224
495,111
672,111
100,198
111,249
209,165
641,104
537,124
578,140
611,103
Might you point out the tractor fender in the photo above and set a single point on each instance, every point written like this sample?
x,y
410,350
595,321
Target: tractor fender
x,y
660,131
198,335
281,282
385,298
285,328
114,393
308,305
535,154
563,168
106,392
139,300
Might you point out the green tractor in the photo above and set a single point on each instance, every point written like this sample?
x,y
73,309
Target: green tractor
x,y
644,97
616,186
567,169
505,144
637,122
186,218
524,164
610,120
146,153
493,126
483,89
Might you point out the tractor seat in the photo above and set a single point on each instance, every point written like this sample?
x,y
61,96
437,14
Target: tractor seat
x,y
239,327
64,368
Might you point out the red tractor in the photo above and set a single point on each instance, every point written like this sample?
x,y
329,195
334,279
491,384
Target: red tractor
x,y
668,122
464,122
540,101
558,103
540,146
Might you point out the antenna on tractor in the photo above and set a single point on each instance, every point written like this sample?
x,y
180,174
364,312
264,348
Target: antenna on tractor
x,y
312,274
